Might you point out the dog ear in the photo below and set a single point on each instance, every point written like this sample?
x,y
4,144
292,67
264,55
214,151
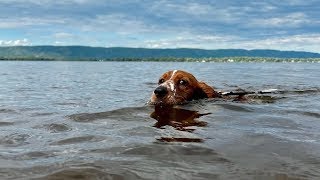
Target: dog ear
x,y
199,94
207,90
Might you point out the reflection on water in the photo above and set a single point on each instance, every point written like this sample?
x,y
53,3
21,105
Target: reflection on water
x,y
180,119
176,117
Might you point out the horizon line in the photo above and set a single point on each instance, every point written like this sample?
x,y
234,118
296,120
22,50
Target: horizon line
x,y
172,48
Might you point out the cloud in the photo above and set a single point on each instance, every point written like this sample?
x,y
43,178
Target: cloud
x,y
30,21
19,42
291,20
47,2
119,23
304,42
298,2
193,10
63,35
191,41
162,23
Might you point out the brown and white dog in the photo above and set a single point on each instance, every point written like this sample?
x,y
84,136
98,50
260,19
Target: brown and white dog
x,y
178,87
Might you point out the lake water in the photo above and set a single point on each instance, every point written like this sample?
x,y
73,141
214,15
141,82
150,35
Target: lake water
x,y
89,120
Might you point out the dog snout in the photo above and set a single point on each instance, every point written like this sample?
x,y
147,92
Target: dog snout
x,y
160,91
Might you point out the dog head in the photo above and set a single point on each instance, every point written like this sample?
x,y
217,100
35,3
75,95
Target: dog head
x,y
178,87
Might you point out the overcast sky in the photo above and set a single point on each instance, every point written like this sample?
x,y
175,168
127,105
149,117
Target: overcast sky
x,y
207,24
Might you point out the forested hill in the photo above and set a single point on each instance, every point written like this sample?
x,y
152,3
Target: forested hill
x,y
85,52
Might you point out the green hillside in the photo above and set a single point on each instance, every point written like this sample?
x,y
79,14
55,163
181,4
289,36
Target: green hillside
x,y
96,53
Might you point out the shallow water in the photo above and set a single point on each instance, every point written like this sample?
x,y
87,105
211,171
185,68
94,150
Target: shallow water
x,y
89,120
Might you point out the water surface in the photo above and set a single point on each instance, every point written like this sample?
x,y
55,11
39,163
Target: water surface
x,y
89,120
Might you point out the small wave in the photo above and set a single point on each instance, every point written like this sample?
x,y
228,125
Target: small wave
x,y
274,95
67,103
234,107
7,111
4,123
90,173
264,98
173,139
56,128
122,114
42,114
59,87
176,151
81,139
14,139
305,113
300,91
312,114
34,155
24,90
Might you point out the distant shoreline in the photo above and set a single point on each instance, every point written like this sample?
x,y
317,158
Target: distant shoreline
x,y
167,59
87,53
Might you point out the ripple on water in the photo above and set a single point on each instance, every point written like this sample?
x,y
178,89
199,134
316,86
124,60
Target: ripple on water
x,y
4,123
35,155
90,173
130,113
235,107
7,111
56,128
314,90
81,139
176,152
14,139
42,114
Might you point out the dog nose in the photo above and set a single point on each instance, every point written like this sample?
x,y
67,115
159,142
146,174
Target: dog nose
x,y
160,91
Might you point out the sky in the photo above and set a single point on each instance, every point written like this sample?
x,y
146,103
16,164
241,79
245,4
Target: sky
x,y
206,24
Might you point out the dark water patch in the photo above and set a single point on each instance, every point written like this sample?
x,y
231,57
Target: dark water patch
x,y
27,109
311,114
34,155
14,139
176,152
300,91
42,114
271,95
263,153
56,128
4,123
304,113
67,104
143,130
59,87
264,98
270,175
173,139
25,89
82,139
7,111
235,107
129,113
272,122
91,173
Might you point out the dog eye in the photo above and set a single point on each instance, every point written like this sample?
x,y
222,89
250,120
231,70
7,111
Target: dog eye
x,y
183,82
161,81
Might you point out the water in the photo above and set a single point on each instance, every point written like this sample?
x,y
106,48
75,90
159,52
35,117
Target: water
x,y
89,120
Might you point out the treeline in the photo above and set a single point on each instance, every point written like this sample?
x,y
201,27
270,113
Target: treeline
x,y
168,59
27,59
85,52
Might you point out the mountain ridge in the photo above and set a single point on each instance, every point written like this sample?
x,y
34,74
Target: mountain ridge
x,y
89,52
